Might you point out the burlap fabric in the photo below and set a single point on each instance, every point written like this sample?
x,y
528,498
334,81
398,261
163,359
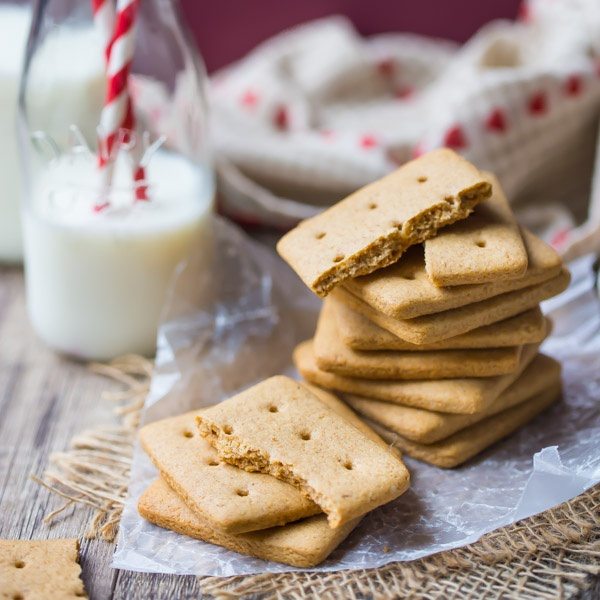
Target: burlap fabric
x,y
553,555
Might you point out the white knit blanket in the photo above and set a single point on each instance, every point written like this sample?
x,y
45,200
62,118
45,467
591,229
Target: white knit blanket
x,y
318,111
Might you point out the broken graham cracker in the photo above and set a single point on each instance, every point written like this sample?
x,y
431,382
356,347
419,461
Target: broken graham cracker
x,y
342,409
359,333
372,227
305,543
231,500
436,327
462,396
485,247
467,443
334,356
40,569
427,427
280,428
404,290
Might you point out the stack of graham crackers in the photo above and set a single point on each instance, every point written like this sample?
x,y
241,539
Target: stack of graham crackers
x,y
283,471
430,329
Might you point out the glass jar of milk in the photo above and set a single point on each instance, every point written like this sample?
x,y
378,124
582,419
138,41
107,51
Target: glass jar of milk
x,y
14,26
105,225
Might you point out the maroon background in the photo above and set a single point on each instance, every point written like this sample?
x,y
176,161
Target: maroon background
x,y
226,29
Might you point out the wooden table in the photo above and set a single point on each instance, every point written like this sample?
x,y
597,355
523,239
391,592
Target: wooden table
x,y
44,401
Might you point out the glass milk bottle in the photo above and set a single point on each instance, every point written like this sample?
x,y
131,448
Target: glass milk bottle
x,y
119,186
14,26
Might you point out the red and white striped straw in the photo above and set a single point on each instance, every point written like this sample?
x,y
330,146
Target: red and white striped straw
x,y
117,116
104,19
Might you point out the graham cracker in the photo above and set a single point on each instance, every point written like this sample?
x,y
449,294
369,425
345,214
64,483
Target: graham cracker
x,y
485,247
40,569
228,498
334,356
404,290
450,323
358,333
305,543
469,442
280,428
341,408
427,427
372,227
462,396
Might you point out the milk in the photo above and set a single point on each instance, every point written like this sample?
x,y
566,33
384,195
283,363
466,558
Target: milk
x,y
96,281
14,26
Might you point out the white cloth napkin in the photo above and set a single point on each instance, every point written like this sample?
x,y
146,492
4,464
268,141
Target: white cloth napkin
x,y
317,111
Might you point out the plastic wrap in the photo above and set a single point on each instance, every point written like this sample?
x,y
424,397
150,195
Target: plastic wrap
x,y
228,326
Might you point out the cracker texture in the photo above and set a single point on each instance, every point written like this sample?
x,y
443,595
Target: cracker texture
x,y
333,355
40,569
305,543
280,428
462,396
485,247
427,427
222,496
231,500
359,333
467,443
372,227
450,323
404,290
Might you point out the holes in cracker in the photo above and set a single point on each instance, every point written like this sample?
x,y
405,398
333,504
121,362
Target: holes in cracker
x,y
305,435
422,179
273,409
320,235
242,493
213,463
227,429
480,244
347,464
18,596
372,205
187,433
396,224
19,564
338,258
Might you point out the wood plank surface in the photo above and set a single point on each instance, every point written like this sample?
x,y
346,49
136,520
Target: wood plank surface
x,y
44,400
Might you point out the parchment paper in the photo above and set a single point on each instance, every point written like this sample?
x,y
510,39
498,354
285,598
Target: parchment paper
x,y
236,320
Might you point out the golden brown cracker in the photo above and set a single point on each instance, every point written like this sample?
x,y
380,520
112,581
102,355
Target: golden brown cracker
x,y
372,227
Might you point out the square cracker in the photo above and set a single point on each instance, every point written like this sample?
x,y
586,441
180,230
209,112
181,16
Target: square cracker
x,y
404,291
372,227
281,428
485,247
469,442
229,499
305,543
342,409
433,328
462,396
427,427
358,333
334,356
40,569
